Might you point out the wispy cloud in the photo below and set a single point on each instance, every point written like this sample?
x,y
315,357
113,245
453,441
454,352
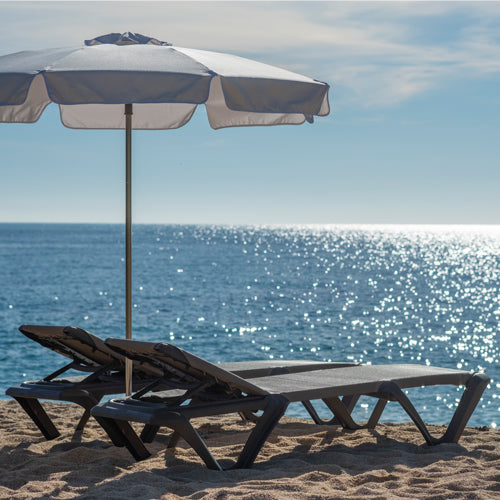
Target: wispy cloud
x,y
389,53
377,54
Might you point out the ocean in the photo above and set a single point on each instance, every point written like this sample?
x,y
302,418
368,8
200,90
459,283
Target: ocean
x,y
364,293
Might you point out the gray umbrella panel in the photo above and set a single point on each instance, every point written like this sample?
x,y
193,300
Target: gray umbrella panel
x,y
165,83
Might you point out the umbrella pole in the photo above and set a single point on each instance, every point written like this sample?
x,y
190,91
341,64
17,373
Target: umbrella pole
x,y
128,242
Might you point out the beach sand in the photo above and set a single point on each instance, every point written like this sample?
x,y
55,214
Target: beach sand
x,y
301,460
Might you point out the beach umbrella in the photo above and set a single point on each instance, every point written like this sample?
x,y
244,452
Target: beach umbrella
x,y
130,81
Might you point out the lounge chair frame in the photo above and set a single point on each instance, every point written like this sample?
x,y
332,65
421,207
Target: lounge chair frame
x,y
105,375
264,394
104,370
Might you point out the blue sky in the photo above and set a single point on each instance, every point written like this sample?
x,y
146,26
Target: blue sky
x,y
413,136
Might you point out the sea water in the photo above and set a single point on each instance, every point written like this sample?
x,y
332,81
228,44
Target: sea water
x,y
370,294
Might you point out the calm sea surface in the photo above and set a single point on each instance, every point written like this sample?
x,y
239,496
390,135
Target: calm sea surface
x,y
374,294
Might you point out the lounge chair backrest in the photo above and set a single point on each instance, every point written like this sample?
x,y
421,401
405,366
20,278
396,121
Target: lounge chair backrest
x,y
73,343
81,346
181,364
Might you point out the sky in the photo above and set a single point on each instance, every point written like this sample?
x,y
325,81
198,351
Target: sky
x,y
413,136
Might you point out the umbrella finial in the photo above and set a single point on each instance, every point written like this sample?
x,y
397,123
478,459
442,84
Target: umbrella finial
x,y
127,38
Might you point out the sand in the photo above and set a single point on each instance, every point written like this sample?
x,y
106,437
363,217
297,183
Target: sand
x,y
301,460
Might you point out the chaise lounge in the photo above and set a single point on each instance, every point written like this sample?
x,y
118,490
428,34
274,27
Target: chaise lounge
x,y
103,371
104,368
211,390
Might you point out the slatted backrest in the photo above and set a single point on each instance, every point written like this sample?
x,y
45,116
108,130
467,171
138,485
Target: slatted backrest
x,y
59,340
181,365
81,346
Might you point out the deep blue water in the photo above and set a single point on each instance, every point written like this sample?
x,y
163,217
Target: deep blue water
x,y
378,294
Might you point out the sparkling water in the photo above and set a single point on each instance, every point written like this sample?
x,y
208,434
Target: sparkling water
x,y
371,294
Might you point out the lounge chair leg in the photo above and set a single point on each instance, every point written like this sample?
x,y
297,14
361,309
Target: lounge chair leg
x,y
35,410
122,434
470,398
132,441
184,429
174,439
376,413
349,402
248,416
345,406
149,432
394,392
83,420
312,412
273,412
468,403
342,413
113,432
87,404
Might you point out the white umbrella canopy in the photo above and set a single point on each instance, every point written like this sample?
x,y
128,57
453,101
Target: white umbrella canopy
x,y
102,83
165,83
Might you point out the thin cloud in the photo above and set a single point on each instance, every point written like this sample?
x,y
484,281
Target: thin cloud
x,y
378,54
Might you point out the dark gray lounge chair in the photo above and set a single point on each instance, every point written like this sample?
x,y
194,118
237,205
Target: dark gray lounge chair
x,y
211,390
104,370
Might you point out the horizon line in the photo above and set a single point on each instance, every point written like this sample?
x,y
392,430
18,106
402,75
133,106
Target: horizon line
x,y
265,224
